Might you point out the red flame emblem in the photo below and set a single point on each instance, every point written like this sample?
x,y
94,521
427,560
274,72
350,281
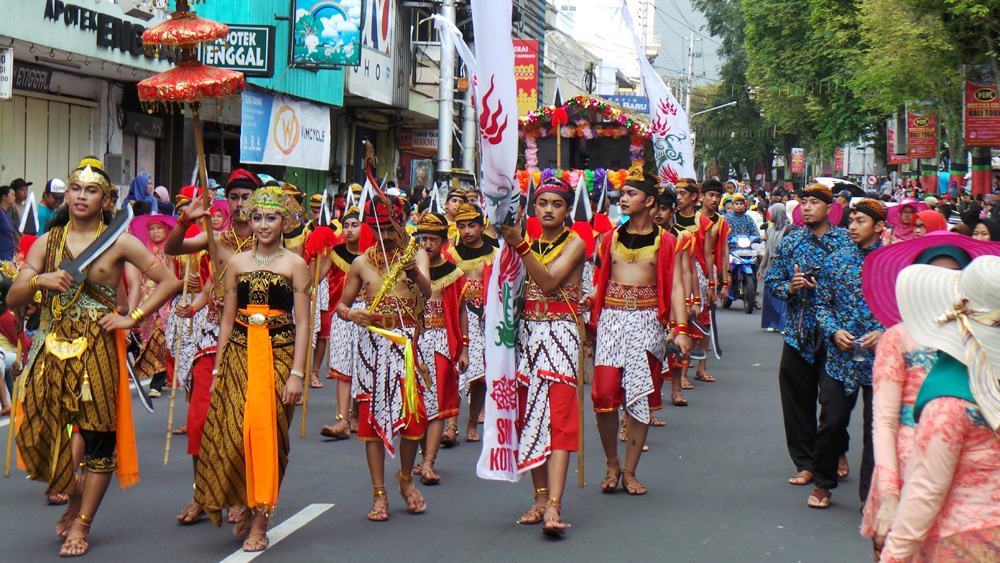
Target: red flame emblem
x,y
510,266
489,128
661,124
668,173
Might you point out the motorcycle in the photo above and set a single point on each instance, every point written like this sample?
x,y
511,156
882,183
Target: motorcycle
x,y
742,271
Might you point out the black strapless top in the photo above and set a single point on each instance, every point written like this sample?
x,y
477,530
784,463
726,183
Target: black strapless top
x,y
262,287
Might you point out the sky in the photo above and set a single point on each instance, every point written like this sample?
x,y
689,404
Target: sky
x,y
673,21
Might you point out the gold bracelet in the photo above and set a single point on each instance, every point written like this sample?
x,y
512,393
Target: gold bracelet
x,y
137,315
33,284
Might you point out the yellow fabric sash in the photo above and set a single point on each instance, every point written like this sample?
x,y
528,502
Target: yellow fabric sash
x,y
260,429
411,403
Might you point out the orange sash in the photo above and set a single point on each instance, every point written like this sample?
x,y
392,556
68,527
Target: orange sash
x,y
128,459
260,429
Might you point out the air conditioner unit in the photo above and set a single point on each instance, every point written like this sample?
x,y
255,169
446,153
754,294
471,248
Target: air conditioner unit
x,y
118,168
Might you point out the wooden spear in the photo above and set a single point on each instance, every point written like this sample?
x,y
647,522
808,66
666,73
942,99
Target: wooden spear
x,y
177,353
309,359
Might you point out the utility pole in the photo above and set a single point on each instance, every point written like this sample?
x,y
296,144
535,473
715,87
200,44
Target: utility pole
x,y
446,108
690,74
469,132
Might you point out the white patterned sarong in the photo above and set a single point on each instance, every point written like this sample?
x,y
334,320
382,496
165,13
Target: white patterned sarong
x,y
477,352
322,304
623,340
432,341
379,378
191,333
344,337
548,352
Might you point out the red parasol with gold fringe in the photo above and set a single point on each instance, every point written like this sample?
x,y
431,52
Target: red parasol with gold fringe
x,y
189,83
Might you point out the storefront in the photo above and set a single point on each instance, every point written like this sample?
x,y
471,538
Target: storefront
x,y
74,75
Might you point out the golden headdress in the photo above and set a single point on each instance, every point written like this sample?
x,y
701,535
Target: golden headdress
x,y
468,212
271,199
91,171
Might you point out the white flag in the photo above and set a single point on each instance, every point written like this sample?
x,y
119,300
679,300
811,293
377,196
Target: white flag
x,y
673,148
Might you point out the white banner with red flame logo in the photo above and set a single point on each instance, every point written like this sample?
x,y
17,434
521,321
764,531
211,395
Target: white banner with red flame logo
x,y
673,146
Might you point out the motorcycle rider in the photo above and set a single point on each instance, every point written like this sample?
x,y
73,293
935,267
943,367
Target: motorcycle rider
x,y
741,224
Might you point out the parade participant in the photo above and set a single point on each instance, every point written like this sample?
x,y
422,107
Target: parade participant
x,y
638,289
456,197
343,357
851,333
82,358
947,510
901,365
295,240
238,238
474,253
151,230
684,260
444,346
386,388
547,374
792,278
697,224
245,444
716,250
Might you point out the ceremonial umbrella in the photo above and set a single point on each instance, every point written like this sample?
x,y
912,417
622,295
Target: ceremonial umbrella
x,y
189,83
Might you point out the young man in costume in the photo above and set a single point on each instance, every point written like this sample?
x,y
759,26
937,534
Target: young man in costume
x,y
344,356
548,351
684,260
716,243
697,226
245,444
455,198
444,345
792,278
395,278
473,253
638,291
847,324
83,355
238,238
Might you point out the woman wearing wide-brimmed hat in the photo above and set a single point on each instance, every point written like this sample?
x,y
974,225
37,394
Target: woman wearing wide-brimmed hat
x,y
901,365
948,509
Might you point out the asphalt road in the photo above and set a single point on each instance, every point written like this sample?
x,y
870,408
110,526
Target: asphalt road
x,y
717,478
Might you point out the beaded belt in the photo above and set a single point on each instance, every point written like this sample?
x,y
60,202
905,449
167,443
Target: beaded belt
x,y
77,312
390,322
434,315
548,310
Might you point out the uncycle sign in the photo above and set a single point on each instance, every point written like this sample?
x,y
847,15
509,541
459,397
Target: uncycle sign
x,y
286,130
247,48
281,131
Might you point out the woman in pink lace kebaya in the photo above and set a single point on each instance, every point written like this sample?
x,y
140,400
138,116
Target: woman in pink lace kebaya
x,y
900,368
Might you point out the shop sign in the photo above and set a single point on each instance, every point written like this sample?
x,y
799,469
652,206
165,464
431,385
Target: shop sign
x,y
838,162
6,74
895,157
982,107
921,130
418,139
798,160
110,32
326,33
280,131
638,104
526,74
373,77
248,49
31,78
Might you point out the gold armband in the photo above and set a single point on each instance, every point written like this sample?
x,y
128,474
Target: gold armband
x,y
137,315
33,283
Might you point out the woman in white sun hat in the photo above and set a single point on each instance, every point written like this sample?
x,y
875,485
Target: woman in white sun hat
x,y
949,508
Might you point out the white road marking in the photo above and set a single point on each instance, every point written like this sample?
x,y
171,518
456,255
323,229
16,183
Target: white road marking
x,y
281,531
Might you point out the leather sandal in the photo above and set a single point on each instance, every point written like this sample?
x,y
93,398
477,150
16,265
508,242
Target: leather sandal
x,y
77,543
820,498
380,505
554,527
632,485
611,476
678,400
341,430
450,436
802,478
535,514
415,503
427,474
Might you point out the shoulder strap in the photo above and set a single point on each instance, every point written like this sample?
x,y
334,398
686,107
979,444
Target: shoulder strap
x,y
822,244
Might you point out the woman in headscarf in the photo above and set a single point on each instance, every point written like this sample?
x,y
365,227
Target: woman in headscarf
x,y
986,229
163,200
928,222
140,190
772,316
220,215
901,218
948,510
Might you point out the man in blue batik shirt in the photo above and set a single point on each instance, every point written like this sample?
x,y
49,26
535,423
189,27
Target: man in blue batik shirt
x,y
739,222
792,279
851,333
